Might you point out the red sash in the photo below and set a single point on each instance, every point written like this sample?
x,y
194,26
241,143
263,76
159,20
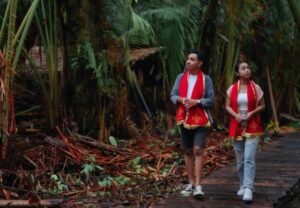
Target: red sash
x,y
254,127
195,116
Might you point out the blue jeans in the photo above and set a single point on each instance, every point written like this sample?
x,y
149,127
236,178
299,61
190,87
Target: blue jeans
x,y
245,152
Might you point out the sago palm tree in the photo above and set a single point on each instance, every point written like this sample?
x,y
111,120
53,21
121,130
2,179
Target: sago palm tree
x,y
12,37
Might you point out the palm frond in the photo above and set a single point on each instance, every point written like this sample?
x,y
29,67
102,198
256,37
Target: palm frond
x,y
175,31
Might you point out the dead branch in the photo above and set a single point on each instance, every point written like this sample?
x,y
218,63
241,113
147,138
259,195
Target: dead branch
x,y
25,203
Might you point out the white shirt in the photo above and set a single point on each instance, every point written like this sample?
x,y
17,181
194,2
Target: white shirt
x,y
242,101
191,83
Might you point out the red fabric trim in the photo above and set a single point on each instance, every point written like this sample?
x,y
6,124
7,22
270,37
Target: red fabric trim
x,y
195,116
254,124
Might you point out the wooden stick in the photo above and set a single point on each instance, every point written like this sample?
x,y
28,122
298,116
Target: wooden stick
x,y
25,203
272,98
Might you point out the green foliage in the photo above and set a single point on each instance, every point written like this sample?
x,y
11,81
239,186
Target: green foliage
x,y
90,167
135,164
273,125
174,132
227,144
12,41
58,185
117,180
113,141
138,24
295,8
177,25
127,25
87,59
90,68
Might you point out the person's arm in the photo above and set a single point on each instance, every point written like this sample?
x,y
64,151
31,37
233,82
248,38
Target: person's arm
x,y
208,100
260,107
174,93
231,111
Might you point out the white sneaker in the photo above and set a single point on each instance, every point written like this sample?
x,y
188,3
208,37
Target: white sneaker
x,y
188,190
248,195
198,191
241,191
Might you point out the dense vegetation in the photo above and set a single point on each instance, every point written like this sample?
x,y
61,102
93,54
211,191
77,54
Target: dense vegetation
x,y
109,65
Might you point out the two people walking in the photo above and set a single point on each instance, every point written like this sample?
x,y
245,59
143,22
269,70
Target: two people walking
x,y
193,95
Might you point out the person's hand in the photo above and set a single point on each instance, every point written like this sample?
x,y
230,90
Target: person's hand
x,y
188,103
181,100
249,115
239,118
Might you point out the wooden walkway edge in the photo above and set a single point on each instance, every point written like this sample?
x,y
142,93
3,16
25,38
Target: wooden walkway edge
x,y
277,170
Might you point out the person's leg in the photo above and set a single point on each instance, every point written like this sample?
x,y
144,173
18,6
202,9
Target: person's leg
x,y
189,165
249,169
249,162
239,147
198,152
199,142
187,146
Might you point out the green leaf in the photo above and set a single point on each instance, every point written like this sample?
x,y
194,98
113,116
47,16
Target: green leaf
x,y
173,132
136,160
113,141
122,180
105,183
87,169
54,177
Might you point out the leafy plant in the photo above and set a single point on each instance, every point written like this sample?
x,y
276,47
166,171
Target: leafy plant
x,y
58,185
135,164
118,180
90,167
48,27
272,125
12,38
86,59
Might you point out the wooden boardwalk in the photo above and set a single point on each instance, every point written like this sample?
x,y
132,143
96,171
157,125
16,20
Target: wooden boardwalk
x,y
277,170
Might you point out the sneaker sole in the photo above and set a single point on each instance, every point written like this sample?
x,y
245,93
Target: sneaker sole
x,y
185,195
247,201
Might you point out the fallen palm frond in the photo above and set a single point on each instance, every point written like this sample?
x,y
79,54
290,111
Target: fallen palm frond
x,y
78,167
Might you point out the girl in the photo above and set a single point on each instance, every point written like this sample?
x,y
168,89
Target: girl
x,y
244,101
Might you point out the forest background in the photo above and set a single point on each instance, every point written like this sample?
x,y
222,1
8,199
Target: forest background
x,y
101,71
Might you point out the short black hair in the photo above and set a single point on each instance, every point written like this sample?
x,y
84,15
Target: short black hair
x,y
199,53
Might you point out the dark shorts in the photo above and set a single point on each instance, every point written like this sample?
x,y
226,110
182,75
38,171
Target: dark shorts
x,y
192,137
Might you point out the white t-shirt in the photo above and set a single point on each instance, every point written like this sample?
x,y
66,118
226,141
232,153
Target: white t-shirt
x,y
242,101
191,83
